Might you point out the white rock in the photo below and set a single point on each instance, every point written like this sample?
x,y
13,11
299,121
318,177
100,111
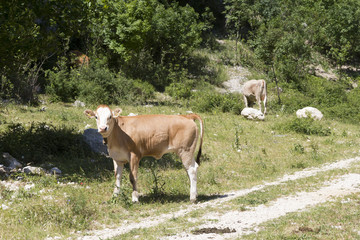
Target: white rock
x,y
4,207
309,112
252,114
33,170
27,187
78,103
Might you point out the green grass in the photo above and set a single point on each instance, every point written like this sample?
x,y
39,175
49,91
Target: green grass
x,y
237,154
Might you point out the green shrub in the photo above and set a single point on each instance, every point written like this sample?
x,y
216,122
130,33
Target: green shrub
x,y
210,101
291,101
60,83
100,85
325,93
148,38
142,91
179,90
96,84
305,126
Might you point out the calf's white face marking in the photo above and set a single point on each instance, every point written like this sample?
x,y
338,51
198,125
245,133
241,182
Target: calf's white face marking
x,y
103,119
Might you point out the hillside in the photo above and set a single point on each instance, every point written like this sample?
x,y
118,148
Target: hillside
x,y
281,178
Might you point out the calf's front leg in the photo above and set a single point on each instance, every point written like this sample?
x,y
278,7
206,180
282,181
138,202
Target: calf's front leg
x,y
118,168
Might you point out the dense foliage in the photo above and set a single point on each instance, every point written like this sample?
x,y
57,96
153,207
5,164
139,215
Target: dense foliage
x,y
147,40
137,47
287,34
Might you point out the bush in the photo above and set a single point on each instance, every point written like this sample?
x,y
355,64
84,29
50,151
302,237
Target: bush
x,y
179,90
60,86
142,91
325,93
148,39
100,85
210,101
305,126
96,84
291,101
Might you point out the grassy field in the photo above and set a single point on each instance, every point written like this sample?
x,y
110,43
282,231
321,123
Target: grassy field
x,y
237,154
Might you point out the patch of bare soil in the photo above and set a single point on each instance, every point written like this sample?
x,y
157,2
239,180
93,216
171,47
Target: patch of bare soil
x,y
237,78
213,230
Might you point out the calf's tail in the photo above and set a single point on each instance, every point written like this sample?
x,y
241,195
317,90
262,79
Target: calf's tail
x,y
263,90
197,117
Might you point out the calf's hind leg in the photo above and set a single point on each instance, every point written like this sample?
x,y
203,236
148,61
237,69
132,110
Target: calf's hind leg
x,y
191,168
134,166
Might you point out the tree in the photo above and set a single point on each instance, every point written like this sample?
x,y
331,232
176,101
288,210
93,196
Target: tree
x,y
148,39
31,33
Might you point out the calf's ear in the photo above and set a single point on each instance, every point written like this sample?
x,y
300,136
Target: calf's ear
x,y
117,112
89,113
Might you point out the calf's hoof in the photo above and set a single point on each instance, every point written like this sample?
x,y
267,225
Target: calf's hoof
x,y
135,197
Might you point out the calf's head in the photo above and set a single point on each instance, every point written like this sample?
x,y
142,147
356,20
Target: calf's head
x,y
105,118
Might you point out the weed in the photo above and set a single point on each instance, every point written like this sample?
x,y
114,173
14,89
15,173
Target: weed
x,y
344,134
306,126
238,131
157,189
263,150
208,101
298,165
211,177
46,181
5,193
260,163
298,148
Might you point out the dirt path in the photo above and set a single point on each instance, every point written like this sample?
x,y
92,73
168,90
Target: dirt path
x,y
237,77
246,222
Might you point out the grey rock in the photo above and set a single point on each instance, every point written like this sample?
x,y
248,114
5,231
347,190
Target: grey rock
x,y
3,171
10,161
55,171
95,141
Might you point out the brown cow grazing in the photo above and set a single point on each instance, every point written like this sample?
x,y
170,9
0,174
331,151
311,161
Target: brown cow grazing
x,y
79,59
255,91
129,138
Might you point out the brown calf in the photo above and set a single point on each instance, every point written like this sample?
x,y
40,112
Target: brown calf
x,y
255,91
129,138
79,59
